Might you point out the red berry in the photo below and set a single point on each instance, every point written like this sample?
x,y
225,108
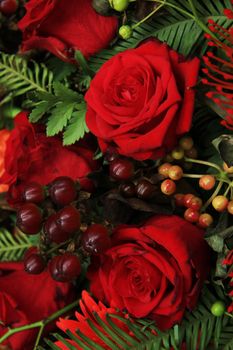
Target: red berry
x,y
128,189
207,182
191,153
69,219
163,169
168,187
175,172
29,219
95,240
191,215
230,207
145,189
179,199
195,203
187,199
29,251
65,268
220,203
33,193
53,231
8,7
186,142
63,190
205,220
34,264
121,169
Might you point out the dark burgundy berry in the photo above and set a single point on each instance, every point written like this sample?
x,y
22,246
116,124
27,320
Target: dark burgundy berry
x,y
30,251
33,193
65,268
53,232
63,190
34,264
95,240
121,169
29,219
145,189
69,219
128,189
8,7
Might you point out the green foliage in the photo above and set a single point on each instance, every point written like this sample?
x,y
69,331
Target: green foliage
x,y
176,25
12,247
198,330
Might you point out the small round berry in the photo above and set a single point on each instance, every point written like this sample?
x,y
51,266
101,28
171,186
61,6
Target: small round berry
x,y
69,219
191,215
65,268
29,219
220,203
218,308
53,232
227,169
8,7
178,153
125,32
121,169
191,153
186,143
128,189
230,207
179,199
187,199
168,158
63,190
33,193
195,203
207,182
95,240
145,189
34,264
168,187
29,251
119,5
163,169
175,172
205,220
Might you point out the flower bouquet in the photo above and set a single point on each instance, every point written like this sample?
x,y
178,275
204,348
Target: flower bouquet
x,y
116,174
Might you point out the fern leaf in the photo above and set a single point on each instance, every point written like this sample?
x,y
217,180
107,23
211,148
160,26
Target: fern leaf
x,y
76,128
12,247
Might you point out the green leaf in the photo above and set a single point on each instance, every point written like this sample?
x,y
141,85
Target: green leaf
x,y
12,247
76,128
59,117
61,70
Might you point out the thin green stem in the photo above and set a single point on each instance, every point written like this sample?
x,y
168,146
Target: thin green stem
x,y
203,162
193,176
149,15
228,314
214,194
39,336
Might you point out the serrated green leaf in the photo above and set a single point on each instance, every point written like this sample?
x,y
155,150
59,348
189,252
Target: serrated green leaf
x,y
66,94
59,117
76,128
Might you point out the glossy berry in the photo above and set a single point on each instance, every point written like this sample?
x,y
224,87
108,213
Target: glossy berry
x,y
187,199
179,199
191,153
207,182
145,189
230,207
195,203
218,308
125,32
186,143
53,232
205,220
121,169
29,251
175,172
220,203
191,215
168,187
178,153
128,189
69,219
34,264
95,240
63,191
33,193
8,7
29,219
119,5
163,169
65,268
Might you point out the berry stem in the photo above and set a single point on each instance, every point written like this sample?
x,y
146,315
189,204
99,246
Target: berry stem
x,y
214,194
58,246
193,176
228,314
149,15
203,162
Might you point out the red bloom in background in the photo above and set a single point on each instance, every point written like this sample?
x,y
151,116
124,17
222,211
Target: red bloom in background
x,y
4,134
58,26
142,100
229,262
26,299
31,156
88,307
155,271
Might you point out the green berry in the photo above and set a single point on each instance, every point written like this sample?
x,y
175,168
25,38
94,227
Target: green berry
x,y
119,5
125,32
218,308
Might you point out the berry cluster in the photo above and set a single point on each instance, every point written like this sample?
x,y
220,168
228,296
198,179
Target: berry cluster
x,y
8,7
52,212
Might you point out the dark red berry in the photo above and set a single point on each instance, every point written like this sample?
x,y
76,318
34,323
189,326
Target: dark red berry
x,y
121,169
65,268
128,189
187,199
191,215
53,232
29,251
63,190
34,264
33,193
145,189
69,219
95,240
29,219
8,7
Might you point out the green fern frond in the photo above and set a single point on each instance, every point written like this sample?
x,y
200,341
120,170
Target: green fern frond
x,y
18,77
12,247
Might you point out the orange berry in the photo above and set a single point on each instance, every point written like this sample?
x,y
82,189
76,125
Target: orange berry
x,y
205,220
187,199
186,142
163,169
207,182
168,187
220,203
179,199
191,215
175,172
195,203
178,153
191,153
230,207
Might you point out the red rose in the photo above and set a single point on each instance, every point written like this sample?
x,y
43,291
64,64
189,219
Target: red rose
x,y
155,271
26,299
32,156
141,100
58,25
